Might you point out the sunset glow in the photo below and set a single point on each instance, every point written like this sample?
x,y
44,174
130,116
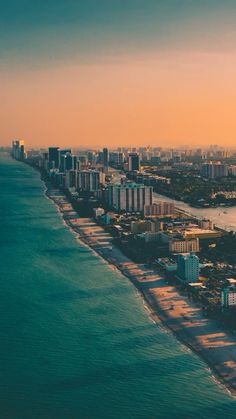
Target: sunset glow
x,y
107,76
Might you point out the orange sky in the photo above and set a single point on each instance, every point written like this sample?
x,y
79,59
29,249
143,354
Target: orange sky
x,y
166,99
108,73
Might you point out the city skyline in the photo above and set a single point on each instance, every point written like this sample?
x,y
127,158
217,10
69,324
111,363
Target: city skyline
x,y
131,73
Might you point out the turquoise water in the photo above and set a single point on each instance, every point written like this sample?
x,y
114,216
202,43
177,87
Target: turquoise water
x,y
76,340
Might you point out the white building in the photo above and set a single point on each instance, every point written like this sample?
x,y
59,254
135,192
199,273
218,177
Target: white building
x,y
98,212
129,197
228,297
184,246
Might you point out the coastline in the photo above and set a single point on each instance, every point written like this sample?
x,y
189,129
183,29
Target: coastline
x,y
185,319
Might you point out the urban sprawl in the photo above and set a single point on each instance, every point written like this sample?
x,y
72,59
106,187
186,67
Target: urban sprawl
x,y
119,190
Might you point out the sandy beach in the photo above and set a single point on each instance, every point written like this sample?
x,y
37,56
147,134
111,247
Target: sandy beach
x,y
177,312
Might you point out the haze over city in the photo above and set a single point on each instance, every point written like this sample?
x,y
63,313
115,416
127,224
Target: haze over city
x,y
118,72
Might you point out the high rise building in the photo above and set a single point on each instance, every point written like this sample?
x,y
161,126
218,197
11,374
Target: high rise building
x,y
62,159
68,162
188,267
83,161
44,164
213,170
129,197
91,157
133,162
18,149
105,157
88,180
53,157
228,297
71,179
116,157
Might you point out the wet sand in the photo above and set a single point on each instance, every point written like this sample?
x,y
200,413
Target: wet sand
x,y
182,316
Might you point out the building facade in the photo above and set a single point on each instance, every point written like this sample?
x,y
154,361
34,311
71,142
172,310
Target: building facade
x,y
129,197
228,297
159,209
53,157
133,162
88,180
184,246
18,149
188,267
213,170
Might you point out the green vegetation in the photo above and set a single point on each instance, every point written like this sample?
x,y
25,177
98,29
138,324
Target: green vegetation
x,y
196,191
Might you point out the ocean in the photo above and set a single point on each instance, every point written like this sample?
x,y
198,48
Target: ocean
x,y
76,339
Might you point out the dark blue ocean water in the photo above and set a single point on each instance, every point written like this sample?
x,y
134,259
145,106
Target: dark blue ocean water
x,y
76,340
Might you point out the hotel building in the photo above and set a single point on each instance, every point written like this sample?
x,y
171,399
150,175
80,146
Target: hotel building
x,y
129,197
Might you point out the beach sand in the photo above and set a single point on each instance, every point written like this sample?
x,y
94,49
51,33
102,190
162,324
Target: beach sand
x,y
182,316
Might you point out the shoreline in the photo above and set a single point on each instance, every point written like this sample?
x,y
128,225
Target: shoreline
x,y
212,346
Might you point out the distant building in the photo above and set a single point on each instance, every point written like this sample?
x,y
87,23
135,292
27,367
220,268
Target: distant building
x,y
116,157
193,232
228,297
206,224
142,226
71,179
188,267
184,246
98,212
18,149
129,197
53,157
68,162
91,157
44,162
133,162
88,180
65,159
82,162
232,170
159,209
105,158
213,170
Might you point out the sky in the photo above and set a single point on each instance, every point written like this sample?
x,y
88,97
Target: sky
x,y
118,72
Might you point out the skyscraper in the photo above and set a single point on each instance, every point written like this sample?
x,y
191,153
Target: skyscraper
x,y
105,157
129,197
53,154
67,162
88,180
188,267
133,162
62,159
18,149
